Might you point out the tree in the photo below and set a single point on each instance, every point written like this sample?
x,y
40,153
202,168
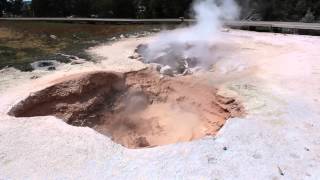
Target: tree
x,y
40,7
141,9
14,7
103,8
124,8
275,10
82,8
169,8
271,10
3,7
52,8
17,7
309,17
26,10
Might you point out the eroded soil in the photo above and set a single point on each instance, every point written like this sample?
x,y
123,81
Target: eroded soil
x,y
137,109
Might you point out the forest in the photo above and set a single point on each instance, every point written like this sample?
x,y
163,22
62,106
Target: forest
x,y
255,10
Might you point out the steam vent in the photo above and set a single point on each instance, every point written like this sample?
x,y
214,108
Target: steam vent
x,y
136,110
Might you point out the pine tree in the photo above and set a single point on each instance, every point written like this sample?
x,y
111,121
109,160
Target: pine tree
x,y
3,6
309,17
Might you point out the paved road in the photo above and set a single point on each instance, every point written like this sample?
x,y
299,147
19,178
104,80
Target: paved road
x,y
94,20
264,24
272,24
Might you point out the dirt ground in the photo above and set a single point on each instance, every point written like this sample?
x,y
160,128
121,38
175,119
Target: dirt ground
x,y
274,76
137,109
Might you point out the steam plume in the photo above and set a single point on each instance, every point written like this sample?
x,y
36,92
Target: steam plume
x,y
194,41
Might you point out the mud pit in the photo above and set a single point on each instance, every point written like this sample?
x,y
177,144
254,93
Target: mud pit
x,y
137,109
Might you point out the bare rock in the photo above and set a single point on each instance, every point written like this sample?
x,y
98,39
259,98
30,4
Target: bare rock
x,y
54,37
195,69
79,61
166,70
44,64
35,77
51,68
141,59
141,48
135,56
73,57
156,66
186,72
181,67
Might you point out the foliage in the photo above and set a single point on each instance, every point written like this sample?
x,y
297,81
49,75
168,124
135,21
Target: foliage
x,y
14,7
308,18
271,10
3,5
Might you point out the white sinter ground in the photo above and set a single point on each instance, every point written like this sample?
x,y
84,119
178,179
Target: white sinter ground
x,y
276,76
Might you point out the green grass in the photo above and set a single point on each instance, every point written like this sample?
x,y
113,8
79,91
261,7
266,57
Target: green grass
x,y
18,58
22,43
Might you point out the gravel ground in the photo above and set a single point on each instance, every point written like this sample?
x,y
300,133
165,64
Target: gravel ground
x,y
276,76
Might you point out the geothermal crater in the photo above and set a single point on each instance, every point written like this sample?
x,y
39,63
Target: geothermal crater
x,y
137,109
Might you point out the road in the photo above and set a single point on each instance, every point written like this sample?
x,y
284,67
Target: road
x,y
270,26
96,20
273,24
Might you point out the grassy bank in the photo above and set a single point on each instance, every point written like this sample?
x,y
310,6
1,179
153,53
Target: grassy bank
x,y
22,43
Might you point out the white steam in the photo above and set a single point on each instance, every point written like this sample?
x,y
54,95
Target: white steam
x,y
197,40
209,15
